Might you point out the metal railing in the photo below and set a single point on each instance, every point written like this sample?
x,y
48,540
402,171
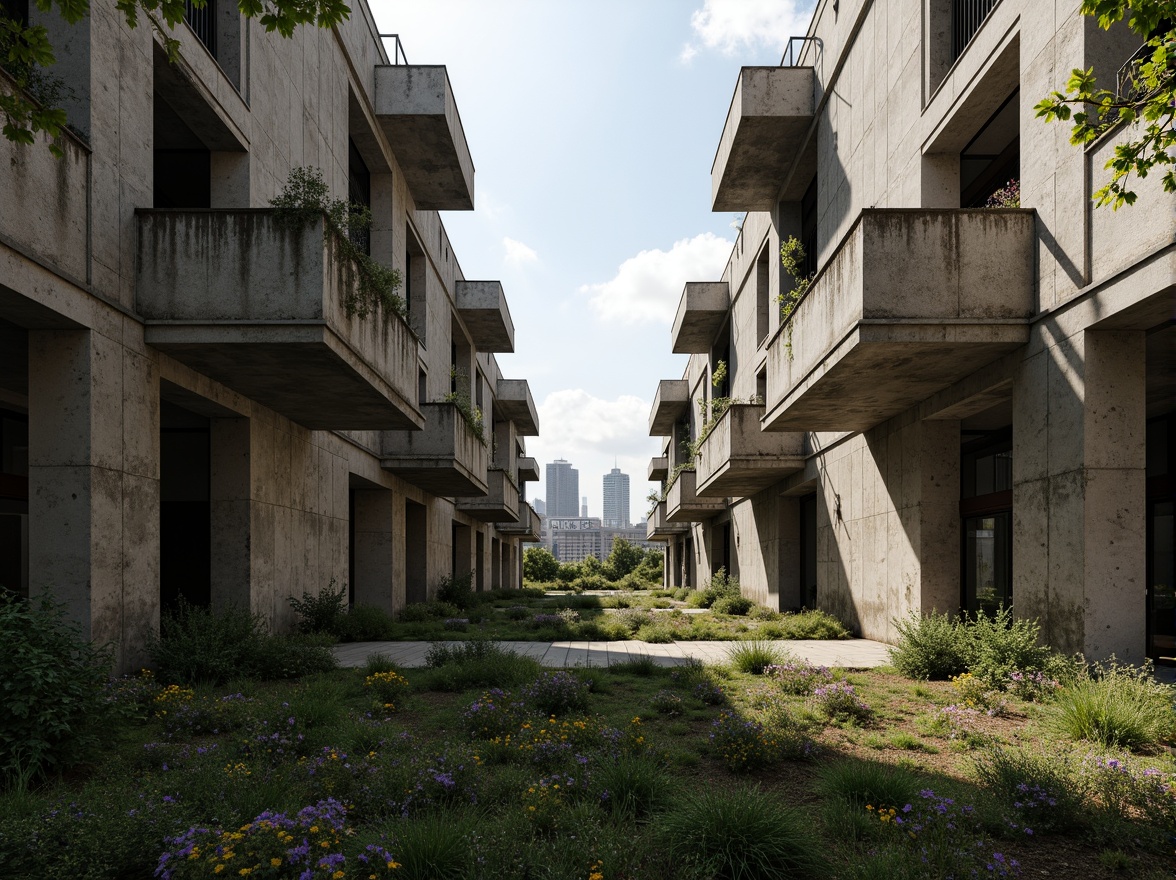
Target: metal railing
x,y
1128,86
792,55
966,18
202,21
398,56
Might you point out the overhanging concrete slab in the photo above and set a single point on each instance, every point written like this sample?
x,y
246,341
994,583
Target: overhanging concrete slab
x,y
737,459
766,125
671,400
513,403
659,469
529,470
415,106
701,312
445,458
482,306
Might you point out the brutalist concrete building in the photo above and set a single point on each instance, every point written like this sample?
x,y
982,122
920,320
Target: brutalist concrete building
x,y
190,403
969,405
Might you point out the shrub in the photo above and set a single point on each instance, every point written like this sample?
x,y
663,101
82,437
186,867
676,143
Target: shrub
x,y
811,625
557,693
799,677
591,582
390,688
734,605
998,645
365,623
1124,790
754,656
321,613
494,714
518,612
457,590
1043,791
720,585
742,833
477,663
539,566
975,694
52,688
417,612
1122,707
932,646
867,782
198,645
666,703
633,618
655,634
839,701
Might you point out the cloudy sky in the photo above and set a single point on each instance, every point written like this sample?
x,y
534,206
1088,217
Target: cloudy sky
x,y
593,125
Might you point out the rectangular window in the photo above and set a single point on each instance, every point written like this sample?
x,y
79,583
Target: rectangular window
x,y
762,309
359,193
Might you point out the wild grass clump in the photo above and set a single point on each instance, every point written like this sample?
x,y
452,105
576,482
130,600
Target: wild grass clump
x,y
475,664
863,783
1116,706
813,624
742,833
1044,791
932,646
632,786
641,665
433,848
753,656
654,633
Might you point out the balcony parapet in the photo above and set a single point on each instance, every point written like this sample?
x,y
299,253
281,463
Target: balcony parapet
x,y
266,306
910,302
414,105
701,313
513,403
659,469
737,459
501,502
670,402
657,528
482,306
528,528
683,503
766,126
446,458
528,470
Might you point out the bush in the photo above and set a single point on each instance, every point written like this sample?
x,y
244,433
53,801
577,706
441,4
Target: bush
x,y
1121,707
734,605
417,612
799,678
1042,790
475,664
655,634
839,701
719,586
52,688
365,623
556,693
539,566
742,833
457,590
863,783
998,646
633,618
320,614
811,625
591,582
754,656
933,646
390,688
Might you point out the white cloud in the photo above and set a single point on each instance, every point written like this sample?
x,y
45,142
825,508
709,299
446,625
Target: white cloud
x,y
733,26
647,287
518,253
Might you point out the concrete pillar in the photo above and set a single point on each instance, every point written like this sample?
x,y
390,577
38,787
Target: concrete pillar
x,y
94,486
1079,515
231,509
938,502
374,563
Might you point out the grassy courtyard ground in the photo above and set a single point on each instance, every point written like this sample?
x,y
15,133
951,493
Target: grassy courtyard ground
x,y
483,765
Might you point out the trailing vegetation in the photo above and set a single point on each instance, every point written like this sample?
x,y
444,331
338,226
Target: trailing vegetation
x,y
459,396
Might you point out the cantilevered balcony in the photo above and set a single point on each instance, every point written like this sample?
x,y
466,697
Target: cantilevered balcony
x,y
528,528
415,107
659,469
658,529
701,313
482,306
669,404
446,458
513,403
911,302
737,459
272,309
528,470
766,133
683,503
499,505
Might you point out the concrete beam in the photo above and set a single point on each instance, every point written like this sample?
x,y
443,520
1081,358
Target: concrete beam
x,y
659,469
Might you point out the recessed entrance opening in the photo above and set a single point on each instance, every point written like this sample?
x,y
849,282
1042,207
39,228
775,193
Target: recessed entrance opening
x,y
986,511
185,510
14,501
416,542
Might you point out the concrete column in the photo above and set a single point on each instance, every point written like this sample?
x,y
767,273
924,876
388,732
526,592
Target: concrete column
x,y
1079,516
939,516
374,557
231,508
94,486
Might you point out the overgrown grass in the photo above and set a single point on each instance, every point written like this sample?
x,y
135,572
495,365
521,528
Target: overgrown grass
x,y
1122,707
754,655
867,783
477,664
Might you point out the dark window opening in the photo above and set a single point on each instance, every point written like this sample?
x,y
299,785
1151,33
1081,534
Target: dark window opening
x,y
183,179
762,307
422,386
359,193
808,550
185,509
14,502
966,18
202,21
1161,539
992,159
986,509
808,230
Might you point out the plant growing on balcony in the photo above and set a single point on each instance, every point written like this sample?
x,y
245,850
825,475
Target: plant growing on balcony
x,y
792,257
304,199
1008,196
1145,93
460,398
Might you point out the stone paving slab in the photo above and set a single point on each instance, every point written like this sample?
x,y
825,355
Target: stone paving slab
x,y
849,653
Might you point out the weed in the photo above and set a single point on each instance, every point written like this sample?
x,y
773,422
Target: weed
x,y
754,656
1122,707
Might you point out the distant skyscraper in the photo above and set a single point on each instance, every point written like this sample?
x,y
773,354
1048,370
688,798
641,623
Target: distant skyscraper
x,y
584,506
563,489
540,506
616,500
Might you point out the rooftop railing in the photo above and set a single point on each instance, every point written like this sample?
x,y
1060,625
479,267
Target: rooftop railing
x,y
793,54
397,56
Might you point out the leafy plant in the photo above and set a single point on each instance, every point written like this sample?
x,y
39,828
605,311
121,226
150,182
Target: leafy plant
x,y
304,199
457,590
557,693
52,688
539,566
792,257
459,396
1044,790
1149,99
999,645
932,646
320,613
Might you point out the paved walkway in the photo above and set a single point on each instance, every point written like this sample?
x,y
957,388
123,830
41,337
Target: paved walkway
x,y
850,653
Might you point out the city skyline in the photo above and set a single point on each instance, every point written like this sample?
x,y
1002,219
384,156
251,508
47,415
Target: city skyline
x,y
615,493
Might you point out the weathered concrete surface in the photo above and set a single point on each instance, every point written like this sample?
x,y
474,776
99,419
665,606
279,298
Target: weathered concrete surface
x,y
529,470
769,117
701,312
513,402
270,309
482,307
669,403
528,528
659,469
499,504
684,505
415,106
874,335
738,459
658,528
444,458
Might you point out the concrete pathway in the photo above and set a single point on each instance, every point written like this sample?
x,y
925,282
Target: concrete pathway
x,y
850,653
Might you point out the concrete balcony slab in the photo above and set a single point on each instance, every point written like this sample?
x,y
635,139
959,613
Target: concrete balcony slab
x,y
737,459
658,529
414,105
266,307
683,505
766,126
701,313
659,469
445,458
528,528
482,306
529,470
670,402
499,505
911,302
513,403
